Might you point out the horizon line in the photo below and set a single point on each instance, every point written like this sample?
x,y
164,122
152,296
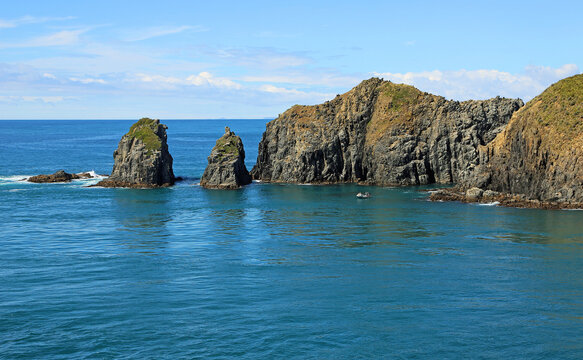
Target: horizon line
x,y
135,119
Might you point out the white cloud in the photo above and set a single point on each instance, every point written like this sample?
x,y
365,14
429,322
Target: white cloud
x,y
61,38
323,78
206,78
49,76
88,80
144,34
310,96
279,90
485,83
262,58
202,79
25,20
43,99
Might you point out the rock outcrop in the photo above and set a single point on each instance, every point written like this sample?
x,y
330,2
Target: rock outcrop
x,y
59,176
380,133
539,156
226,164
142,158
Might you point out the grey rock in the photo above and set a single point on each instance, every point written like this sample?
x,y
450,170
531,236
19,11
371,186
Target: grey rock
x,y
59,176
474,194
490,194
380,133
142,158
226,164
538,157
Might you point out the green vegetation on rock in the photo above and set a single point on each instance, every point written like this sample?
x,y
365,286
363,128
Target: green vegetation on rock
x,y
400,94
227,146
145,130
560,107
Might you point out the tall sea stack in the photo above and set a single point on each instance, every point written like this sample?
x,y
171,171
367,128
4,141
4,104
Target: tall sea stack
x,y
380,133
142,158
226,164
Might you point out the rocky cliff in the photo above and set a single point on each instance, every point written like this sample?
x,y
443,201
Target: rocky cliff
x,y
539,155
142,158
226,164
380,133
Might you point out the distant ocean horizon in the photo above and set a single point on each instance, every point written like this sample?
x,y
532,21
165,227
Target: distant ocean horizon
x,y
161,119
278,271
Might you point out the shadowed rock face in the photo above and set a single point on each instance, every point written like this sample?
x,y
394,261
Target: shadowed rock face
x,y
142,158
539,155
226,164
383,134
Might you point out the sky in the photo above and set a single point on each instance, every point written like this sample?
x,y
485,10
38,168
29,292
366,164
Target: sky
x,y
254,59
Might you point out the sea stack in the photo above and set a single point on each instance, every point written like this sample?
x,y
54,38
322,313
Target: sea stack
x,y
226,164
537,161
142,159
380,133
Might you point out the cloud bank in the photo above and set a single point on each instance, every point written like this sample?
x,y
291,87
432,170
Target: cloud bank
x,y
485,83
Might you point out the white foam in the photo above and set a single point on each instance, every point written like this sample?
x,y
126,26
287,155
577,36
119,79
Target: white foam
x,y
14,178
16,190
95,178
494,203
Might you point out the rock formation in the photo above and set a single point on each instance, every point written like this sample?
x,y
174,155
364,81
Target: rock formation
x,y
537,161
142,158
380,133
59,176
226,164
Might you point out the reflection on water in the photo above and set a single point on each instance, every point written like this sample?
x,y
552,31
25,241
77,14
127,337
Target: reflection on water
x,y
308,267
331,216
143,217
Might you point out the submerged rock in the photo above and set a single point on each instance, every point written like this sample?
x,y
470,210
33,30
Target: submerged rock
x,y
59,176
380,133
142,158
226,164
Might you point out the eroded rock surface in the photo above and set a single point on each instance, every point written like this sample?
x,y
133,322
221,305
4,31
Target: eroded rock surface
x,y
539,155
226,164
380,133
142,158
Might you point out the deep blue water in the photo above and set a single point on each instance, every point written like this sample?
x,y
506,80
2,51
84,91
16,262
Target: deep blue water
x,y
270,271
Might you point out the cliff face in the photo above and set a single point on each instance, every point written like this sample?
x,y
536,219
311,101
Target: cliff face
x,y
226,164
540,152
142,158
380,133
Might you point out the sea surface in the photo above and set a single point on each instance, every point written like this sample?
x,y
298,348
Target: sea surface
x,y
270,271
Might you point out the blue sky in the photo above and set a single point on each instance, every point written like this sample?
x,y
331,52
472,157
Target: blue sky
x,y
254,59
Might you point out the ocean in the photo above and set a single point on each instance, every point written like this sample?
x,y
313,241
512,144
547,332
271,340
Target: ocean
x,y
273,271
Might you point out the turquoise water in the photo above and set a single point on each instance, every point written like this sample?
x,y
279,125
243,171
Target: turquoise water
x,y
270,271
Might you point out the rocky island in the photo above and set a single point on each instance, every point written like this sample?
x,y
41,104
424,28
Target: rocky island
x,y
537,161
380,133
142,159
59,176
226,164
